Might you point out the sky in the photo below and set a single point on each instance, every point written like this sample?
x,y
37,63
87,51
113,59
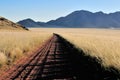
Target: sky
x,y
45,10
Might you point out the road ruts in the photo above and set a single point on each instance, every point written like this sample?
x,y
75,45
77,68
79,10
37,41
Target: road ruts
x,y
50,62
58,59
28,68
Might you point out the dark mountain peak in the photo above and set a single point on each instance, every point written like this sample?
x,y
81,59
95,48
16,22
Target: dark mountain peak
x,y
80,12
28,19
31,23
100,12
28,23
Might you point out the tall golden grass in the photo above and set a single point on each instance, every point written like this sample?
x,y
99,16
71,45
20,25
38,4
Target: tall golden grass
x,y
99,43
15,44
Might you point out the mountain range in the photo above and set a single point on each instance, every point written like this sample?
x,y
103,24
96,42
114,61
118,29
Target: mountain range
x,y
78,19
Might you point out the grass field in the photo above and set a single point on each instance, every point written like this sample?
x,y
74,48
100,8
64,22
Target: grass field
x,y
103,44
15,44
99,43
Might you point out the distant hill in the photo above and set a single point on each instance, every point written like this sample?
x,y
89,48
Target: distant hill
x,y
83,19
6,24
31,23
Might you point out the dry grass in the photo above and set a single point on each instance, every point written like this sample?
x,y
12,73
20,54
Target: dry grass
x,y
99,43
103,43
14,45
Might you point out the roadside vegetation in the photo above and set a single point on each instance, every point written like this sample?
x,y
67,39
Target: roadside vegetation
x,y
16,44
104,44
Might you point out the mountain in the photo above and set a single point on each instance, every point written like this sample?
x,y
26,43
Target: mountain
x,y
88,19
31,23
83,18
9,25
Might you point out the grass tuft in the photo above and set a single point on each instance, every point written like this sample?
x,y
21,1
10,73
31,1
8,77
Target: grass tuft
x,y
3,59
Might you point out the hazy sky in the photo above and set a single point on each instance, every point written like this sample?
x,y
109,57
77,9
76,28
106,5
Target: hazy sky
x,y
45,10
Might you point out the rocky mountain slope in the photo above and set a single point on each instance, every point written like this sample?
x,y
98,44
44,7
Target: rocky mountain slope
x,y
9,25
